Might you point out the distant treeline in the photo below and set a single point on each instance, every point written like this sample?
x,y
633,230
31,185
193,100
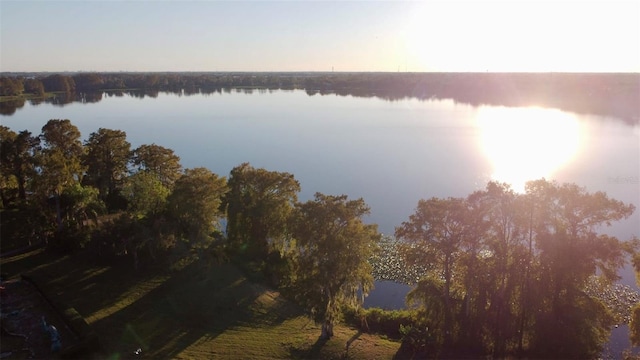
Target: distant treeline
x,y
614,95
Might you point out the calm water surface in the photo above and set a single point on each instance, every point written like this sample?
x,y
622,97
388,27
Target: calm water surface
x,y
390,153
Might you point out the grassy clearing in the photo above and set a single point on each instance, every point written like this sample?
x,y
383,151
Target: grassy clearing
x,y
27,96
196,312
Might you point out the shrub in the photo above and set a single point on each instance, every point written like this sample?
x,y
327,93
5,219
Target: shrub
x,y
385,322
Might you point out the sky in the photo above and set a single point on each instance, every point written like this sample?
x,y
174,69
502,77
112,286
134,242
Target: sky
x,y
455,35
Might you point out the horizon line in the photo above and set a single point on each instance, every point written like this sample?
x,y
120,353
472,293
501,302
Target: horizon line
x,y
314,71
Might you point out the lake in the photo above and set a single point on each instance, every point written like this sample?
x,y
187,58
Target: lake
x,y
390,153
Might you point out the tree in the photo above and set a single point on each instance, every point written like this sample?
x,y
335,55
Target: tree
x,y
334,246
62,151
11,86
26,223
106,159
34,86
57,82
22,220
7,181
437,230
146,196
160,161
569,323
80,207
60,165
507,272
128,235
23,159
17,162
258,206
195,203
634,326
146,227
88,82
503,240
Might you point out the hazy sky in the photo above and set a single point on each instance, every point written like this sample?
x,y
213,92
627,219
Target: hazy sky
x,y
320,36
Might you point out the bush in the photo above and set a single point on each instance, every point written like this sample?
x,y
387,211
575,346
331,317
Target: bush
x,y
410,326
70,239
376,320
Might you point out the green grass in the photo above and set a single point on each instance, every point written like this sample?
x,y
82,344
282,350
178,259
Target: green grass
x,y
197,311
27,96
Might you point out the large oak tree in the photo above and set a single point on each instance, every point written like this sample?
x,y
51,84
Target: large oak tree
x,y
18,154
195,203
60,164
160,161
334,246
258,206
107,156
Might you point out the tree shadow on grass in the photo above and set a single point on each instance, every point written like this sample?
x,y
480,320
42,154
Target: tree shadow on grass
x,y
13,266
351,340
183,310
79,282
160,314
313,352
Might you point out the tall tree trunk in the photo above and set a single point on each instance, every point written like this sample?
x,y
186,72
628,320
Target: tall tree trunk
x,y
58,212
22,192
447,301
5,200
525,292
135,260
327,324
327,329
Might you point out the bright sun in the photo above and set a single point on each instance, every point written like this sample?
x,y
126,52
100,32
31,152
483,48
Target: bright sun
x,y
527,143
522,35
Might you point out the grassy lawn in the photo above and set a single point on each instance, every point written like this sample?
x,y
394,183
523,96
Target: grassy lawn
x,y
23,97
198,311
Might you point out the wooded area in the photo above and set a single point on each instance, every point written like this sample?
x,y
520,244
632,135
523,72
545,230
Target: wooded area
x,y
604,94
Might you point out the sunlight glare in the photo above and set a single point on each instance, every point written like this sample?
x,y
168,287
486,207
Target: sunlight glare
x,y
510,36
526,144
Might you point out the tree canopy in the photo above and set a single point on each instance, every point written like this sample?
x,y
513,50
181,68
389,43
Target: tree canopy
x,y
160,161
195,203
106,159
512,269
258,206
18,160
334,246
62,152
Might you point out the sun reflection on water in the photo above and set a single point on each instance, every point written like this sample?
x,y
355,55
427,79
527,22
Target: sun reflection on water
x,y
525,144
